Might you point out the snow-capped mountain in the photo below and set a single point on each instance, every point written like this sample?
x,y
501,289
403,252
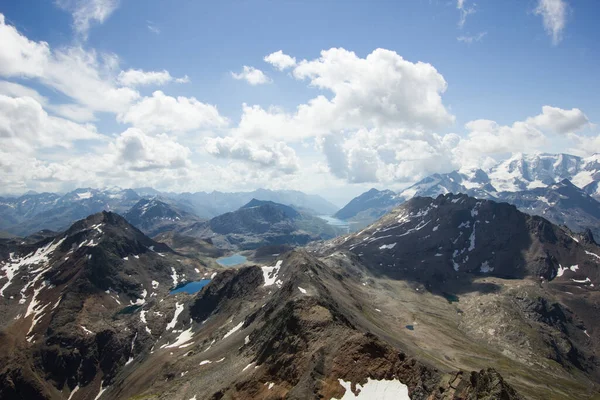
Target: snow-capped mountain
x,y
518,173
523,180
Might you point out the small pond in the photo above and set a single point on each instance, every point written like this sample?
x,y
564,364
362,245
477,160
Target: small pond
x,y
410,327
191,287
232,260
452,298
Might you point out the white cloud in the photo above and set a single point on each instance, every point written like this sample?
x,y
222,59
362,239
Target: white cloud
x,y
85,12
584,145
16,90
251,75
280,60
465,11
387,156
380,90
84,76
152,27
73,112
471,39
25,126
138,77
172,114
554,16
277,155
140,152
19,56
560,121
488,137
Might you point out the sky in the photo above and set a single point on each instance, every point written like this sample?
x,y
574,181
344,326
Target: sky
x,y
327,97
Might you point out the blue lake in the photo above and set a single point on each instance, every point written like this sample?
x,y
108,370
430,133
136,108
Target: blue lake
x,y
231,260
191,287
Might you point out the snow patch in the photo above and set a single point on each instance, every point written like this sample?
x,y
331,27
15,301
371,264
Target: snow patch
x,y
387,246
178,310
270,274
592,254
485,267
174,276
181,340
234,330
376,390
302,290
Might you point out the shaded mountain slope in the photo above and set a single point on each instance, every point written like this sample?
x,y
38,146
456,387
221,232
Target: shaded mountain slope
x,y
153,216
261,223
66,305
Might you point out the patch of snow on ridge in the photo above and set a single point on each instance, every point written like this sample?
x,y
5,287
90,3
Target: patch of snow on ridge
x,y
174,276
40,256
387,246
234,330
302,290
472,238
181,340
270,274
102,390
485,267
178,310
592,254
560,271
375,390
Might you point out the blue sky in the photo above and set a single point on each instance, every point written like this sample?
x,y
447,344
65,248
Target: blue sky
x,y
502,63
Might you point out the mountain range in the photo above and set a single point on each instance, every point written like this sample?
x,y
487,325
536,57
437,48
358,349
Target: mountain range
x,y
561,187
32,212
445,298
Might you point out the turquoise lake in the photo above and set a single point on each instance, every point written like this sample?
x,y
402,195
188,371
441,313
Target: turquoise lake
x,y
232,260
191,287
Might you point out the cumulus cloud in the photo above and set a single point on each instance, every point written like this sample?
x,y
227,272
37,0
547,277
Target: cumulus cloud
x,y
86,12
584,145
141,152
554,17
388,156
379,90
25,126
173,114
278,156
489,137
557,120
280,60
251,75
